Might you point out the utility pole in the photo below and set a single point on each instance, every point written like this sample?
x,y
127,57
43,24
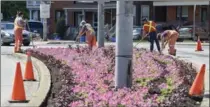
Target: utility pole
x,y
208,17
44,13
124,44
194,20
100,24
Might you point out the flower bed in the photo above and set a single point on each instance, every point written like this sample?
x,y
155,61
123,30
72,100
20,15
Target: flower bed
x,y
83,78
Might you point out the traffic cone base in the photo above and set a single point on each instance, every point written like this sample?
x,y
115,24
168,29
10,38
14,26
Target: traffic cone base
x,y
199,46
197,87
17,101
29,80
18,92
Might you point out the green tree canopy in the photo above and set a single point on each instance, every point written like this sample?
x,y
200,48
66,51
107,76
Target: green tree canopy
x,y
10,8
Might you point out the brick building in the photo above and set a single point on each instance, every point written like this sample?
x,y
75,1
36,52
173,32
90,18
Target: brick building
x,y
161,12
181,12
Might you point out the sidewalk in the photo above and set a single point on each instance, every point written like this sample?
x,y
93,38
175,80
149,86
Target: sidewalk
x,y
35,91
8,69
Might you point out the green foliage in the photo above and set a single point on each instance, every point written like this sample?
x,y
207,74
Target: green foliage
x,y
60,27
120,105
166,91
143,81
9,9
160,98
169,81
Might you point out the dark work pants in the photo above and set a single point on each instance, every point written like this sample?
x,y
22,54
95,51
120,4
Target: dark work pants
x,y
153,38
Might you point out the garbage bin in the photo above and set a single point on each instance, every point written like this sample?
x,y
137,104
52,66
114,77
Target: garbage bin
x,y
113,39
82,38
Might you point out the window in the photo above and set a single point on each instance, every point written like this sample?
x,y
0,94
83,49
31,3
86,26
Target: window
x,y
59,14
9,26
35,25
84,2
95,20
183,13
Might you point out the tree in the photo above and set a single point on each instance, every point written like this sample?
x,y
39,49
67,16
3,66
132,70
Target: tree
x,y
10,8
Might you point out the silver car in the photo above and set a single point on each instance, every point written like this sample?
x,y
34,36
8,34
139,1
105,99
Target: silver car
x,y
7,34
137,33
6,38
185,33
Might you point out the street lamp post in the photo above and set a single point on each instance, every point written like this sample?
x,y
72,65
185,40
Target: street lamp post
x,y
124,44
100,24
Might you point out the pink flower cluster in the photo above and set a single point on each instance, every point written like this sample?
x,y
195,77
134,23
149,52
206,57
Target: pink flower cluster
x,y
94,73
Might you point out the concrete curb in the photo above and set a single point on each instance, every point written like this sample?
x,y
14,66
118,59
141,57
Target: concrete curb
x,y
72,42
44,84
203,44
197,67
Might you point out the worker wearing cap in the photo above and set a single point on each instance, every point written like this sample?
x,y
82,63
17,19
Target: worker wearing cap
x,y
18,29
89,32
149,28
169,36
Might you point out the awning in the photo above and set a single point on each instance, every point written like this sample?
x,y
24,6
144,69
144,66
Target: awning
x,y
180,3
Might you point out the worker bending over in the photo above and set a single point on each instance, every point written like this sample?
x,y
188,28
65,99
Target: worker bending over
x,y
149,28
169,37
89,32
18,29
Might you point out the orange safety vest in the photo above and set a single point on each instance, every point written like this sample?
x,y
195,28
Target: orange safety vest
x,y
16,24
149,27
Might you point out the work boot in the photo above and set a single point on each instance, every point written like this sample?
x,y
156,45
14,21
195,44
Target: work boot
x,y
172,52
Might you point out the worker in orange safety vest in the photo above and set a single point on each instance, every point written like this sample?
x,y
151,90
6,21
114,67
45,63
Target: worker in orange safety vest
x,y
18,30
169,37
149,28
89,32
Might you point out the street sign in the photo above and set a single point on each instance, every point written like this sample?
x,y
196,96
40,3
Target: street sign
x,y
44,11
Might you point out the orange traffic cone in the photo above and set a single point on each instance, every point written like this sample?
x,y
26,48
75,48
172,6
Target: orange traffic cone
x,y
198,84
18,93
199,45
29,74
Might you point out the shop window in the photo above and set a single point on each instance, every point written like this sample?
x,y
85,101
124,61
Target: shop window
x,y
182,11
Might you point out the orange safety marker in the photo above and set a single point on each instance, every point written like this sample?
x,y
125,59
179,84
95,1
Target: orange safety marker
x,y
18,93
198,84
199,45
29,74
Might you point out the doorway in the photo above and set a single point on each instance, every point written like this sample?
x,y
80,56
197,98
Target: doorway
x,y
145,11
203,14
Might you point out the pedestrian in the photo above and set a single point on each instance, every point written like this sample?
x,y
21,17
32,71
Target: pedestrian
x,y
18,30
82,23
89,32
149,29
169,36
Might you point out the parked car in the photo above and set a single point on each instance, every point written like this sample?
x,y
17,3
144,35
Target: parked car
x,y
35,27
7,34
137,33
186,32
6,38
